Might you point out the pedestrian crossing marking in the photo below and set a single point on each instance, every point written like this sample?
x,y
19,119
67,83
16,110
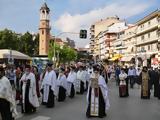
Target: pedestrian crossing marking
x,y
41,118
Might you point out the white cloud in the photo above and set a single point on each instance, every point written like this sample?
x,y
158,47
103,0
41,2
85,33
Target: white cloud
x,y
70,23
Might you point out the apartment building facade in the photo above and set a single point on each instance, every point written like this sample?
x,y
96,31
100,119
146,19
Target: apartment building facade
x,y
95,31
139,43
147,37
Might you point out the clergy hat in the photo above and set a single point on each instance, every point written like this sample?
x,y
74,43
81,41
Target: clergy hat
x,y
96,67
49,64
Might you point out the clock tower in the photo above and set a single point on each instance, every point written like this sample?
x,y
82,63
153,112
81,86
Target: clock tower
x,y
44,30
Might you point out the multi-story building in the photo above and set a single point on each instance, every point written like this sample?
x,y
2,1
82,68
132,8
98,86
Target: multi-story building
x,y
147,36
139,43
95,30
117,44
129,43
108,42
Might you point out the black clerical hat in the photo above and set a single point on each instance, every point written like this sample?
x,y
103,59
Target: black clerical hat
x,y
49,64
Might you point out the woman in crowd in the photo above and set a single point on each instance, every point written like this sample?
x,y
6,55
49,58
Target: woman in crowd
x,y
123,84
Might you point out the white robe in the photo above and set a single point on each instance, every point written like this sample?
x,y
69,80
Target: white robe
x,y
49,80
122,77
6,93
70,80
33,99
103,86
80,77
61,81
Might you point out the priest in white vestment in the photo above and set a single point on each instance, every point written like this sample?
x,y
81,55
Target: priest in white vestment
x,y
7,101
61,85
29,95
97,96
48,87
71,82
80,81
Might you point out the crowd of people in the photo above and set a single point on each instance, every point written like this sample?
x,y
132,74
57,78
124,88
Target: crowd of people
x,y
146,78
29,88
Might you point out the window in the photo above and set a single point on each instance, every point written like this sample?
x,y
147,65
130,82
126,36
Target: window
x,y
142,38
149,23
43,11
148,35
158,33
158,19
42,32
149,47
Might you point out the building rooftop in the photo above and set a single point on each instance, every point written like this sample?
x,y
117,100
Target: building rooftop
x,y
148,17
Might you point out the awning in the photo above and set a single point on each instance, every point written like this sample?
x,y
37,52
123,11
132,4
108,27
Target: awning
x,y
126,58
116,57
6,53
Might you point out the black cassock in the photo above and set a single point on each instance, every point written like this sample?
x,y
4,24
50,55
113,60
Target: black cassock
x,y
61,94
101,103
82,89
156,78
50,102
72,92
5,111
27,107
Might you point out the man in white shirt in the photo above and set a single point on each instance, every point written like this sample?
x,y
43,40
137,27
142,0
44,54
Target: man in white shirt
x,y
132,75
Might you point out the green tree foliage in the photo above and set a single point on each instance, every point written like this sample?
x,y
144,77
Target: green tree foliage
x,y
25,43
8,39
63,54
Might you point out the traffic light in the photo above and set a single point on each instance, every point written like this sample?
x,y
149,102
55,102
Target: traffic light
x,y
83,34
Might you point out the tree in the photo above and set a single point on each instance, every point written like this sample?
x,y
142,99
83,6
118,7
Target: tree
x,y
8,39
63,54
25,43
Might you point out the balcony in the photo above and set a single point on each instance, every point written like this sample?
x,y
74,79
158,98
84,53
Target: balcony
x,y
146,41
147,28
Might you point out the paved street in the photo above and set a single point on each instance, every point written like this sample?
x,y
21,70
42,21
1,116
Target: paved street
x,y
132,108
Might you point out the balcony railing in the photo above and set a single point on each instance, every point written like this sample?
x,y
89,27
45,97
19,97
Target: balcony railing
x,y
147,28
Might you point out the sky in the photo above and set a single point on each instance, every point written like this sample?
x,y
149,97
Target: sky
x,y
70,15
